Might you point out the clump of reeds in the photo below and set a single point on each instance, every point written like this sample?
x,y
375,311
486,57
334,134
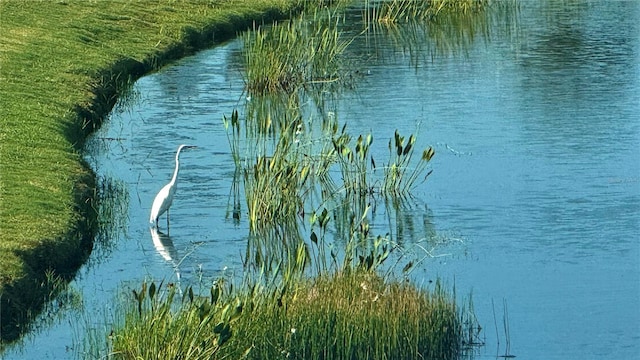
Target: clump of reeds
x,y
399,177
158,325
294,55
355,164
276,253
395,11
273,184
360,248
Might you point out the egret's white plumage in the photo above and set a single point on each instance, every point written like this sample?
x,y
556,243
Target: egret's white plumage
x,y
163,200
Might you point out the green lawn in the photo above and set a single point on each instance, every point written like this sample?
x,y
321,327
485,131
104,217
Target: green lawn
x,y
61,65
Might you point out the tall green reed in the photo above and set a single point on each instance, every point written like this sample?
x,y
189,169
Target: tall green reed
x,y
355,163
399,177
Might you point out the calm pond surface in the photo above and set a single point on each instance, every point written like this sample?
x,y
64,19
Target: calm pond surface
x,y
533,205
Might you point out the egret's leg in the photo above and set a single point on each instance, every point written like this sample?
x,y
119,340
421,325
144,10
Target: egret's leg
x,y
167,221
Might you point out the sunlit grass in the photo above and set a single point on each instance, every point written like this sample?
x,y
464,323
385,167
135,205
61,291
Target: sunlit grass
x,y
350,315
154,329
354,314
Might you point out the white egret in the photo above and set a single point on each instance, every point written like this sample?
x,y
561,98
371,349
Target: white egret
x,y
164,198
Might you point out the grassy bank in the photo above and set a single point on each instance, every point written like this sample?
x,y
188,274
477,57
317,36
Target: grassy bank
x,y
62,65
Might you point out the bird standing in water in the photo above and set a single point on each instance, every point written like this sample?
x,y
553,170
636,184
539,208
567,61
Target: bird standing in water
x,y
164,198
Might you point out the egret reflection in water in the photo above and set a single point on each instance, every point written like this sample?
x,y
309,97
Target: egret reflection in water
x,y
164,246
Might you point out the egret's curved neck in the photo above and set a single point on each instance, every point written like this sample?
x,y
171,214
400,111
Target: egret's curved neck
x,y
175,172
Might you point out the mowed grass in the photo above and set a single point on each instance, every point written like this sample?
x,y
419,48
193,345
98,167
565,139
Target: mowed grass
x,y
62,66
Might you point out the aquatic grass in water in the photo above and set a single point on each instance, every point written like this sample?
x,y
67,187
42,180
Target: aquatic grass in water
x,y
399,177
300,53
112,209
395,11
281,172
280,178
276,254
354,164
451,28
273,185
353,245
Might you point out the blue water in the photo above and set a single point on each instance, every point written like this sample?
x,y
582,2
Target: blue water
x,y
534,201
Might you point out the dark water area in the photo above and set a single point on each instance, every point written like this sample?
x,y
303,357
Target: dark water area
x,y
533,205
